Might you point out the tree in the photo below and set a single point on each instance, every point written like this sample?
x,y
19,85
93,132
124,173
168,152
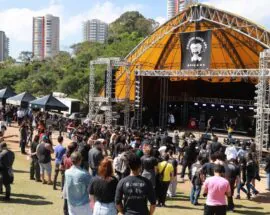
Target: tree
x,y
26,56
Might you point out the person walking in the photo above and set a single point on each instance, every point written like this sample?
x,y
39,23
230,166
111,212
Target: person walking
x,y
23,137
76,187
216,189
59,151
34,166
7,158
103,188
173,185
134,191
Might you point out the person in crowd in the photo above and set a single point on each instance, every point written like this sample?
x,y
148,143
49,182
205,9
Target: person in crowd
x,y
103,188
44,151
95,156
165,170
231,151
120,163
77,182
196,180
232,174
190,155
242,153
23,136
84,148
34,166
149,164
215,146
216,188
20,115
242,161
267,170
251,174
173,185
59,151
208,168
7,158
133,192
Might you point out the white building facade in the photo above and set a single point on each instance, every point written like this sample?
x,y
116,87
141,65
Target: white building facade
x,y
45,37
4,46
95,31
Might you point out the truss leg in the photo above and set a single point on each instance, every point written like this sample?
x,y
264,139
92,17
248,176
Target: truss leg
x,y
108,113
138,101
91,92
163,109
127,100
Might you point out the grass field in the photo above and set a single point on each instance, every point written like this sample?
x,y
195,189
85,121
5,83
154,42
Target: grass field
x,y
32,198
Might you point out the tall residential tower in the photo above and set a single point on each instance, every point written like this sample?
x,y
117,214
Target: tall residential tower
x,y
45,36
176,6
4,46
95,31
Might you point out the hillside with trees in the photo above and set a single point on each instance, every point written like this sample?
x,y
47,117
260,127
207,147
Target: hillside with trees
x,y
70,73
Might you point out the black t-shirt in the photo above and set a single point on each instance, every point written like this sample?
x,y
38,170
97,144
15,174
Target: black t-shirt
x,y
215,147
174,164
84,148
104,191
190,154
232,171
149,162
43,154
135,191
208,169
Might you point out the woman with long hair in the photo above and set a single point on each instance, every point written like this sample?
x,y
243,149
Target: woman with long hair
x,y
102,189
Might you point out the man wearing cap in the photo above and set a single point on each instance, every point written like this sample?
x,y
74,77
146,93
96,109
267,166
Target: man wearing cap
x,y
6,173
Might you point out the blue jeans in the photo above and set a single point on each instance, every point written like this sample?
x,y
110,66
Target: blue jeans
x,y
195,193
268,180
240,187
250,187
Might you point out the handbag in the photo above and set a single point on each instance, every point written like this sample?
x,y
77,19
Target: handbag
x,y
161,175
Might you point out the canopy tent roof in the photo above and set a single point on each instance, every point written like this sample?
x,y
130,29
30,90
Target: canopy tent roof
x,y
48,103
236,44
22,99
6,93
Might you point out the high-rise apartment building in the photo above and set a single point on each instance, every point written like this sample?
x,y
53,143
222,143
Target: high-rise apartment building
x,y
45,36
95,31
4,46
176,6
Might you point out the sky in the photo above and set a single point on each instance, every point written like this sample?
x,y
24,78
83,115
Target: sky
x,y
16,16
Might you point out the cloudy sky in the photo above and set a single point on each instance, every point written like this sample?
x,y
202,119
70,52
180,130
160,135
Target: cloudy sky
x,y
16,15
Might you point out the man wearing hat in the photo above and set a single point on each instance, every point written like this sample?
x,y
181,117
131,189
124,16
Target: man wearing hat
x,y
7,158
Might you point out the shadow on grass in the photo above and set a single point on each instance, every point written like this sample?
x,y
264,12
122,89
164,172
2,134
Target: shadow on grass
x,y
183,207
262,198
252,208
20,171
248,212
27,196
28,202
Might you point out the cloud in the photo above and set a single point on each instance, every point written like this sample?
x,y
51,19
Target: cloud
x,y
161,20
17,22
257,10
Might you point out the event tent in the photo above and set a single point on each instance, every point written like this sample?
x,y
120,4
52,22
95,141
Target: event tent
x,y
6,93
48,103
21,100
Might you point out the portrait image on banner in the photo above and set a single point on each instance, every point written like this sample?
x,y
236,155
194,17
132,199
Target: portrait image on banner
x,y
196,50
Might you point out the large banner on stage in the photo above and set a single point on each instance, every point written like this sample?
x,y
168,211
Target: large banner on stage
x,y
196,49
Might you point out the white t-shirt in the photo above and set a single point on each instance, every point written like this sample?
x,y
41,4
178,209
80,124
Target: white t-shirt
x,y
231,152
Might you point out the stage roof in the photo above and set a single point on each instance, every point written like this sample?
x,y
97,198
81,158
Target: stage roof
x,y
236,44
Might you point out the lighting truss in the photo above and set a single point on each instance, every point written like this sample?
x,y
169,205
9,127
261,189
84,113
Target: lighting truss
x,y
96,102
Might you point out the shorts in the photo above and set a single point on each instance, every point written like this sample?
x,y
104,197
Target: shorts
x,y
45,167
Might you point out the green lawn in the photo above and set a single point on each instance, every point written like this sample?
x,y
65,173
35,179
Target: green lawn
x,y
31,198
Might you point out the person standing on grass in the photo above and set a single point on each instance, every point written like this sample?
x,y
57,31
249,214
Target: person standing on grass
x,y
134,191
23,137
59,151
34,166
216,189
76,187
173,184
165,169
267,170
102,189
7,158
44,151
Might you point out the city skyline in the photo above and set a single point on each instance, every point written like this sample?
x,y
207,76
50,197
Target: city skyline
x,y
16,16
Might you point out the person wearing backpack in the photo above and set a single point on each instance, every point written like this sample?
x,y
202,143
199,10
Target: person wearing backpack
x,y
165,170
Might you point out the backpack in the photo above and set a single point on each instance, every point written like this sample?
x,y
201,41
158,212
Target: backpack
x,y
121,163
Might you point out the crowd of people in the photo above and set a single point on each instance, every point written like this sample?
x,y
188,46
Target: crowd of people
x,y
110,170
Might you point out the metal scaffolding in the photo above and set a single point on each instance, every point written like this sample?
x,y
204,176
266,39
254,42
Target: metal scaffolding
x,y
163,107
96,102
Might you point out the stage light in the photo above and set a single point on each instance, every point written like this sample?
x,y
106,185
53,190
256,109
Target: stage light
x,y
196,104
222,106
213,105
231,107
251,108
204,105
241,108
